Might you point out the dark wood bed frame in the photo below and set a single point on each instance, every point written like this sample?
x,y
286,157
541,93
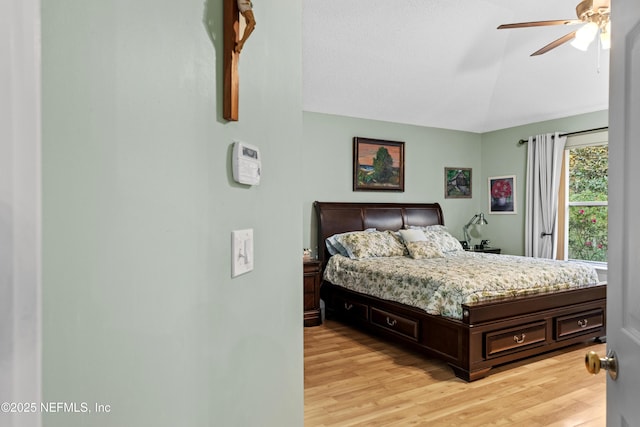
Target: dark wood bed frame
x,y
490,333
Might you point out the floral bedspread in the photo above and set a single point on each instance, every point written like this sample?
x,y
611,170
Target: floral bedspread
x,y
441,285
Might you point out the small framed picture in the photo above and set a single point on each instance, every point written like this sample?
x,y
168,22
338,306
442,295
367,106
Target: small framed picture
x,y
457,183
378,165
502,194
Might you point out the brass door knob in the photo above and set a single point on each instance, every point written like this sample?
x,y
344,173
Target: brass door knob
x,y
594,363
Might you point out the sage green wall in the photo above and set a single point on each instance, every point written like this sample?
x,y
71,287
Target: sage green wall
x,y
501,155
328,166
139,308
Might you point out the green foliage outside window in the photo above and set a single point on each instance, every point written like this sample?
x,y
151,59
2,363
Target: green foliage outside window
x,y
588,179
588,233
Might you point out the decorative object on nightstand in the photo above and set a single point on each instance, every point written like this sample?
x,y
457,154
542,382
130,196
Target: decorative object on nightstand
x,y
478,219
311,283
483,244
306,254
484,247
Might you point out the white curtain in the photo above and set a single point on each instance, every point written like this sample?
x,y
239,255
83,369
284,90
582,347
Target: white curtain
x,y
544,165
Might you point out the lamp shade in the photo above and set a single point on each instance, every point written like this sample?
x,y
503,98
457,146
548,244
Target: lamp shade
x,y
481,220
585,35
605,36
477,219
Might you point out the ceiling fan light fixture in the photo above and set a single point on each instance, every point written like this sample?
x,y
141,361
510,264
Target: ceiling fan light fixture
x,y
605,36
585,35
594,17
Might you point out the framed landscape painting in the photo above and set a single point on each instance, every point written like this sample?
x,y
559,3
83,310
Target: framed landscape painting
x,y
457,183
378,165
502,194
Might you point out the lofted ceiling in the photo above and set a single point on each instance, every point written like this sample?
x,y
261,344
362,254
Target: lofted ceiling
x,y
443,63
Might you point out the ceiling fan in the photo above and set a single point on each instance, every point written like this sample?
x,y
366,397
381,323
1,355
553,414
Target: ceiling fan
x,y
594,14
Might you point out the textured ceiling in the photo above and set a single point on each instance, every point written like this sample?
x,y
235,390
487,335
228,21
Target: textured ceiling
x,y
443,63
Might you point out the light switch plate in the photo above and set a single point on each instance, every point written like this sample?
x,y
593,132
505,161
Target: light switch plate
x,y
241,251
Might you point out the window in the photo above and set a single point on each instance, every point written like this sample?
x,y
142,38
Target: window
x,y
585,199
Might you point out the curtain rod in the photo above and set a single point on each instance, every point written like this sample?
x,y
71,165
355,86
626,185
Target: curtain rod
x,y
580,132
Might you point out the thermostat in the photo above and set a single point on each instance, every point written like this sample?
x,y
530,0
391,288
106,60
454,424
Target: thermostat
x,y
246,163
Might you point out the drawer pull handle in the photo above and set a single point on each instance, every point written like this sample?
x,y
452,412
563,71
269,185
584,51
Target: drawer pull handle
x,y
391,322
348,306
583,323
519,340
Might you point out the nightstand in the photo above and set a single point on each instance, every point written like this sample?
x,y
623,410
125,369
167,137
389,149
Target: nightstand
x,y
311,283
487,250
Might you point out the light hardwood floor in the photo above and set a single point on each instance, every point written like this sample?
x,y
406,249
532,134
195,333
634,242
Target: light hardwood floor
x,y
352,379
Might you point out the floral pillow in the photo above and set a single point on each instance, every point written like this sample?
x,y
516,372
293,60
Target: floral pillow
x,y
424,249
335,247
436,227
371,244
444,241
396,235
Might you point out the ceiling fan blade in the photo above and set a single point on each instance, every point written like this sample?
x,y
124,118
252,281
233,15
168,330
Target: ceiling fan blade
x,y
554,44
540,23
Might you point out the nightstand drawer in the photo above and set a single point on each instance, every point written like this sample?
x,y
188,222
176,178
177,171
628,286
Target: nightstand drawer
x,y
398,324
352,309
515,339
309,301
311,284
311,267
576,324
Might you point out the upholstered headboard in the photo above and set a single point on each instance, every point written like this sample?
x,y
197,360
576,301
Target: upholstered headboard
x,y
337,217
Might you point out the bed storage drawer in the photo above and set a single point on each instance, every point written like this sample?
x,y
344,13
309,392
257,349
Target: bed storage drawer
x,y
514,339
399,324
580,323
354,309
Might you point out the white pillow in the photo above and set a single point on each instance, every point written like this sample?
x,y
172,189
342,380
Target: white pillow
x,y
443,240
413,235
436,227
